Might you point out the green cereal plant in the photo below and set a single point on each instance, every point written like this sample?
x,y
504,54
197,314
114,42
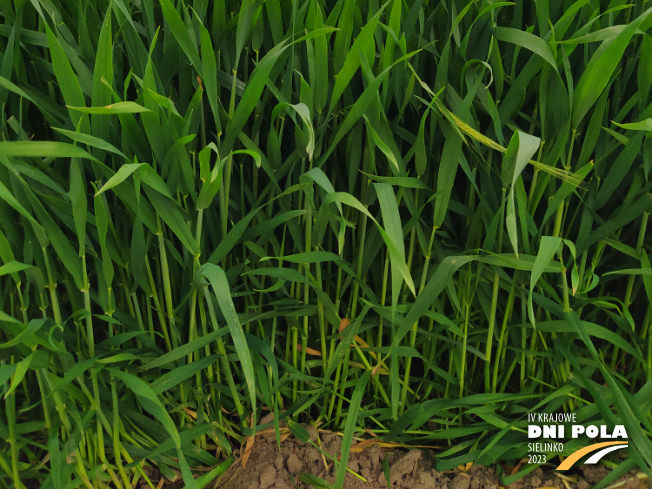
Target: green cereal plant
x,y
371,216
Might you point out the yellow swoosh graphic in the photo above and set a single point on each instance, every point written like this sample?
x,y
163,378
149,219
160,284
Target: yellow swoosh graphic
x,y
569,461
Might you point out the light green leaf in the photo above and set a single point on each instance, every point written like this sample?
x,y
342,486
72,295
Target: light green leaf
x,y
117,108
644,125
221,289
528,41
547,249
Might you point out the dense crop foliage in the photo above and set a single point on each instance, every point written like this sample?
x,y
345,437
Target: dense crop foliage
x,y
376,217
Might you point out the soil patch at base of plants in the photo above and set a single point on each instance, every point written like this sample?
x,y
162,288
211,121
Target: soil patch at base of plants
x,y
290,467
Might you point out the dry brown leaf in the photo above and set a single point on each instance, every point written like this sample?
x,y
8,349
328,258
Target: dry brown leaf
x,y
518,466
359,447
285,436
309,350
344,323
572,479
247,451
269,431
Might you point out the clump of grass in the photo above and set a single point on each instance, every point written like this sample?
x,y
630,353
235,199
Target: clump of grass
x,y
371,216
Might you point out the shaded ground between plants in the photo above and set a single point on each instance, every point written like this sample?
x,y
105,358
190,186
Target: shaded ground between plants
x,y
265,466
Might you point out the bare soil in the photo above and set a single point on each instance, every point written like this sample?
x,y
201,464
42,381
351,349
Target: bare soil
x,y
260,464
265,466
